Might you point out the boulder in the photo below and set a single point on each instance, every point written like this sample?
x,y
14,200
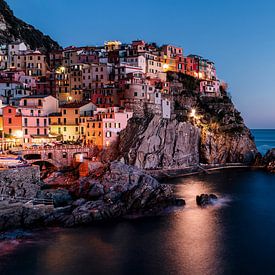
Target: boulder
x,y
204,200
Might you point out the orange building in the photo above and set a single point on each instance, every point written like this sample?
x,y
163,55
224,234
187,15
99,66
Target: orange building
x,y
12,126
12,121
94,130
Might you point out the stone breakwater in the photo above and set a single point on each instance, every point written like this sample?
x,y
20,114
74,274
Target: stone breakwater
x,y
20,182
114,191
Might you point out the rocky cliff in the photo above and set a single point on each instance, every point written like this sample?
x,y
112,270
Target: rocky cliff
x,y
113,191
202,129
13,29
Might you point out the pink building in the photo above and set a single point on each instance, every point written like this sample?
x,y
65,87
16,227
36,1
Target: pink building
x,y
114,124
210,87
34,111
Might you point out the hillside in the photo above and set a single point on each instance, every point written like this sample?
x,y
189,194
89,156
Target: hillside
x,y
13,29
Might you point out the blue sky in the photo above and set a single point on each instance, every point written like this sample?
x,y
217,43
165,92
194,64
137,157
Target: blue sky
x,y
239,36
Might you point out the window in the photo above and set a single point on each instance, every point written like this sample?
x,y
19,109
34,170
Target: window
x,y
45,122
25,102
39,102
10,121
38,132
50,155
108,134
76,121
64,155
26,131
45,132
76,111
9,111
25,121
65,129
76,129
37,122
65,120
64,112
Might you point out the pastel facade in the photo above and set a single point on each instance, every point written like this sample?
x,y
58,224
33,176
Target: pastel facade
x,y
34,111
113,124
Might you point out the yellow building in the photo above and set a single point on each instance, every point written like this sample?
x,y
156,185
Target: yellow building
x,y
94,130
68,122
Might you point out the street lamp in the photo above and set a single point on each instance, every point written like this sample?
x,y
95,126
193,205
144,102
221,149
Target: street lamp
x,y
193,113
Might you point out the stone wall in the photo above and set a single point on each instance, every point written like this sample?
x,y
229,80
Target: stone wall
x,y
20,182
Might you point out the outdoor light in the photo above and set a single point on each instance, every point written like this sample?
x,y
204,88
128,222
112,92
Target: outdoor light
x,y
18,134
193,113
165,66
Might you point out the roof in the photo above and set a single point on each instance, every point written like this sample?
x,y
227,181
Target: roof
x,y
74,104
36,96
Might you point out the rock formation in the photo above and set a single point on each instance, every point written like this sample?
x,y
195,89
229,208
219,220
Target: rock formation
x,y
114,192
215,134
204,200
160,143
268,161
13,29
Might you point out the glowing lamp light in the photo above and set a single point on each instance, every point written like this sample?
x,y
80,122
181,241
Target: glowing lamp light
x,y
165,66
193,113
70,98
18,134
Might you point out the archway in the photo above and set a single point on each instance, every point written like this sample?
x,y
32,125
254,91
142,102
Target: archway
x,y
46,168
32,156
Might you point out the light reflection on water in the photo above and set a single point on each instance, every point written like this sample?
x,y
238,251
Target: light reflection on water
x,y
222,239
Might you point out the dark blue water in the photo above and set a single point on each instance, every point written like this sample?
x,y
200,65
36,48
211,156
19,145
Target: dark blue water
x,y
236,236
265,139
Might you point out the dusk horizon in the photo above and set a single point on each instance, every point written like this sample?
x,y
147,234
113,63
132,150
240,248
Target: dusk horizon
x,y
237,36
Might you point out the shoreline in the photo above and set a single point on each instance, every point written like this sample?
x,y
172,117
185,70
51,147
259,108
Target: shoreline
x,y
59,212
195,170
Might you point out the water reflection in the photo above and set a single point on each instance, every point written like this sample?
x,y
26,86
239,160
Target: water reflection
x,y
197,242
235,236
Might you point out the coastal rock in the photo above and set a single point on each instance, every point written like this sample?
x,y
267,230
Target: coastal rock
x,y
216,134
204,199
20,182
61,197
22,216
160,143
126,190
268,161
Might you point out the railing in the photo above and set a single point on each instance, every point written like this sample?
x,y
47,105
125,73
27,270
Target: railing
x,y
48,201
59,147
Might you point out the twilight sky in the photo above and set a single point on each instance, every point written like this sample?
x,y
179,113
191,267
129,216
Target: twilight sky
x,y
239,36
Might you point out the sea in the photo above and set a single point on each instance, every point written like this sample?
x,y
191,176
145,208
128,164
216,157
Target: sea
x,y
235,236
264,139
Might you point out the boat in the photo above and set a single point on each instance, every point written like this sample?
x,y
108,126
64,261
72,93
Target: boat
x,y
11,161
